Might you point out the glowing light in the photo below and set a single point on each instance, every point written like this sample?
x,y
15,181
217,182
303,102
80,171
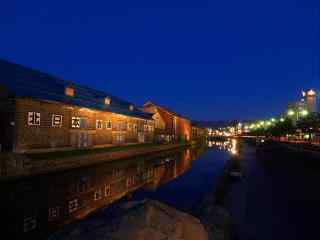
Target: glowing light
x,y
304,113
311,93
291,112
282,119
273,119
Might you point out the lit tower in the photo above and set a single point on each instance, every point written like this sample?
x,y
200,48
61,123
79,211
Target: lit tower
x,y
310,100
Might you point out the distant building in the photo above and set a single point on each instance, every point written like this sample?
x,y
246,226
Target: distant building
x,y
169,126
40,112
198,132
300,109
310,100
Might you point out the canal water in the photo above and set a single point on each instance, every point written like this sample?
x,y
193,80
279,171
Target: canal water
x,y
37,206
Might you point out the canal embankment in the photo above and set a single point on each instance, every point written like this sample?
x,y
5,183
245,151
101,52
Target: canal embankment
x,y
13,166
277,196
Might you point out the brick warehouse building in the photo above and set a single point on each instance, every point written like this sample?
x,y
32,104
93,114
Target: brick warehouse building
x,y
41,112
169,126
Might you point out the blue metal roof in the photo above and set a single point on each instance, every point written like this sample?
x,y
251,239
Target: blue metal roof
x,y
25,82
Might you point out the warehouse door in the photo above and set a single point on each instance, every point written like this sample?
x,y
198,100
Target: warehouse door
x,y
83,139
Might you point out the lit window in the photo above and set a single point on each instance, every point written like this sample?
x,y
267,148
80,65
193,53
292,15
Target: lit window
x,y
69,91
73,205
120,125
107,190
146,127
130,181
53,213
131,107
56,120
107,101
97,195
99,124
135,127
33,119
29,224
130,126
75,122
109,124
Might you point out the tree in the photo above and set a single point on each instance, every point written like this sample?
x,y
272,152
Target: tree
x,y
282,128
309,124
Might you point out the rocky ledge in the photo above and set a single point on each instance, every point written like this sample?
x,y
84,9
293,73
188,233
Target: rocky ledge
x,y
143,220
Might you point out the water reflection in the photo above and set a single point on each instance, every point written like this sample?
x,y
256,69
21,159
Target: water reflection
x,y
37,206
230,145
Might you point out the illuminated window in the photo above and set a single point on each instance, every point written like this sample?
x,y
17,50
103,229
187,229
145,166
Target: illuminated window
x,y
120,125
75,122
130,181
97,194
73,205
69,91
131,107
56,120
33,119
135,127
29,223
146,127
130,126
109,124
99,124
53,213
107,190
107,101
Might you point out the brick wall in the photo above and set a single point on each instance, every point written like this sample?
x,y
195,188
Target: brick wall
x,y
46,135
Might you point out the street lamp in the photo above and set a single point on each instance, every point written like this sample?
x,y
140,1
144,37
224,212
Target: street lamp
x,y
304,113
291,113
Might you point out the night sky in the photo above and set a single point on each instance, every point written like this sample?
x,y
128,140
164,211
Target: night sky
x,y
208,60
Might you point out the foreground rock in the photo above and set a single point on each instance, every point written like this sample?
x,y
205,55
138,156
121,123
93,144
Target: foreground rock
x,y
145,220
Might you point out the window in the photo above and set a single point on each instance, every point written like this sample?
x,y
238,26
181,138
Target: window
x,y
130,181
120,126
135,127
109,124
29,223
83,123
107,101
131,107
53,213
107,190
99,124
97,194
56,120
120,138
130,126
75,122
146,127
33,119
73,205
117,172
69,91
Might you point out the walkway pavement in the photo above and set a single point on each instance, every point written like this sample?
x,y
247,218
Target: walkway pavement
x,y
278,199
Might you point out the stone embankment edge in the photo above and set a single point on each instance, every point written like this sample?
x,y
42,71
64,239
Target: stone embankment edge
x,y
28,167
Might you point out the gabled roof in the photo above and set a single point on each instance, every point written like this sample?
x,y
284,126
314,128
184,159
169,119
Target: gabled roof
x,y
149,103
21,81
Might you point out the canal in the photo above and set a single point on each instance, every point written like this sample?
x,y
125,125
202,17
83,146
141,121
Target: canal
x,y
37,206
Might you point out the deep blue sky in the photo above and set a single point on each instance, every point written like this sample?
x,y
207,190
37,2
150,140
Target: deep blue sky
x,y
209,60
